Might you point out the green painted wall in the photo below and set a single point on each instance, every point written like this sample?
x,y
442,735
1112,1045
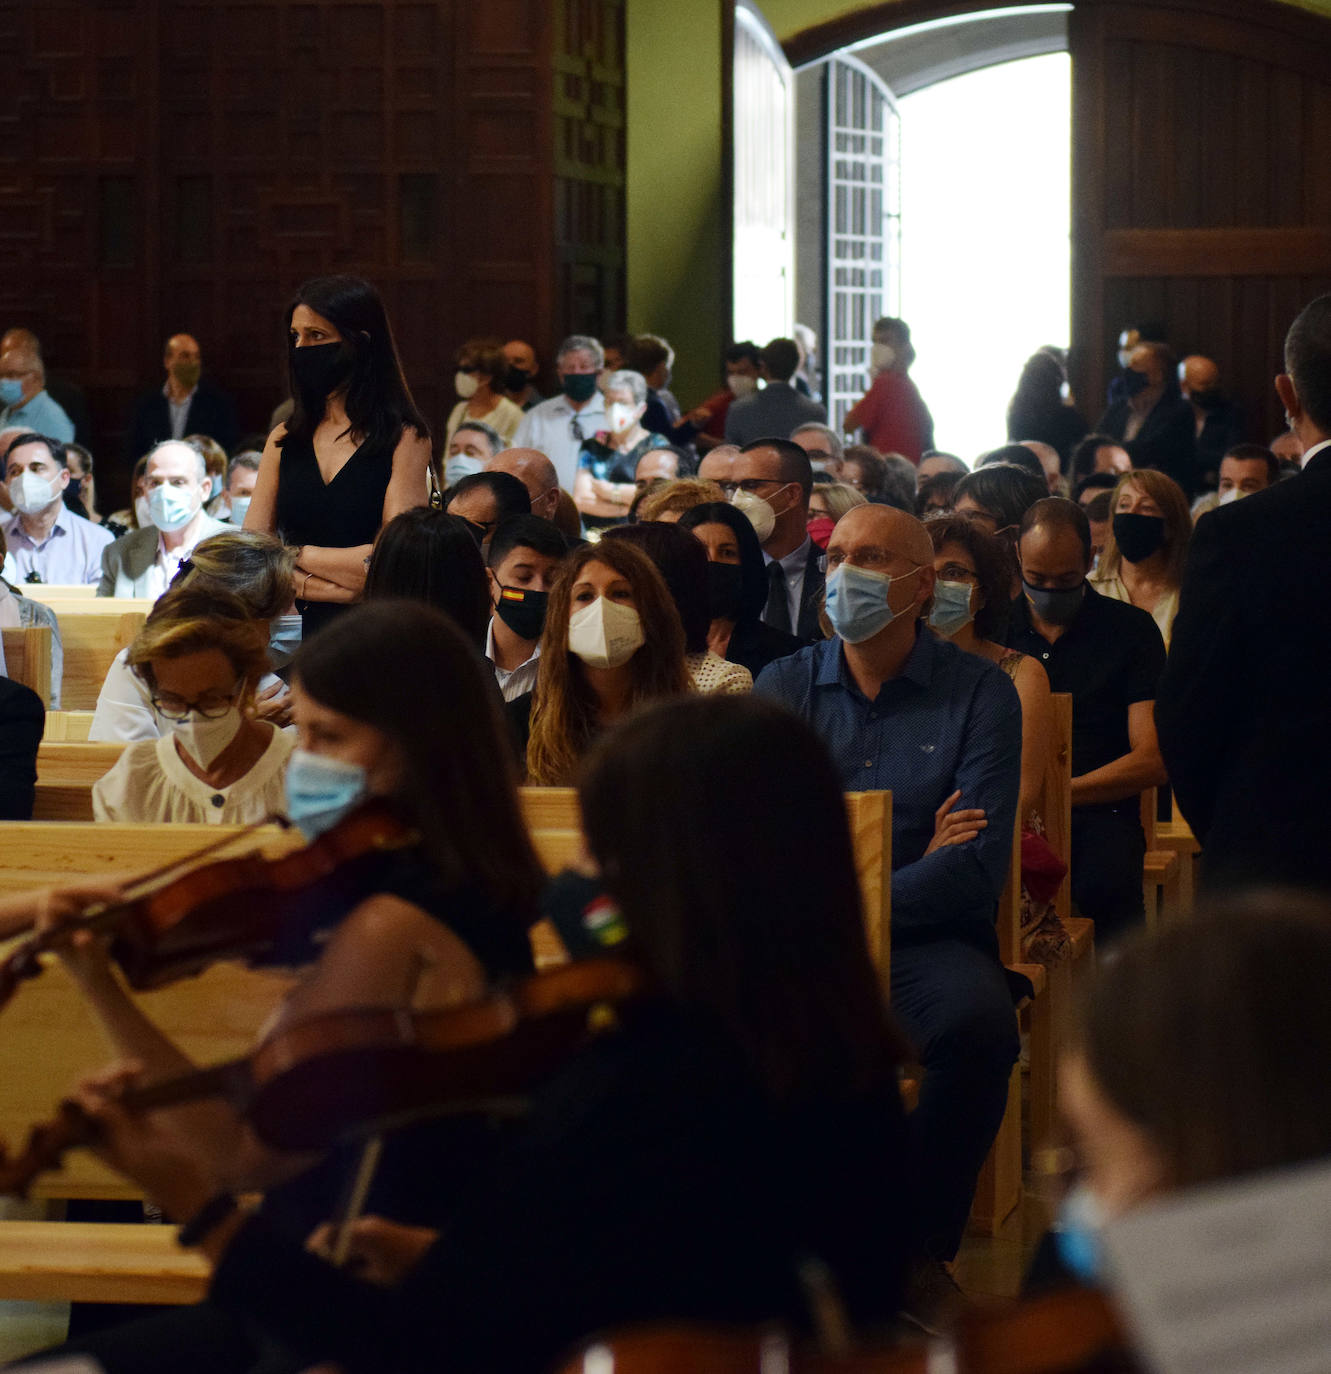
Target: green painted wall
x,y
676,226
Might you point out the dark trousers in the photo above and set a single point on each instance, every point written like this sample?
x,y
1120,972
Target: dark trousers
x,y
1108,849
953,1002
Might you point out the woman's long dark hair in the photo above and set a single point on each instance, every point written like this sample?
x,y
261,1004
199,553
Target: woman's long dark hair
x,y
1039,395
745,909
752,568
407,670
378,401
427,556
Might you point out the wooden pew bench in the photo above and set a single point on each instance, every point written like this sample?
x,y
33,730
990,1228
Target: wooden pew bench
x,y
66,772
28,658
93,632
67,727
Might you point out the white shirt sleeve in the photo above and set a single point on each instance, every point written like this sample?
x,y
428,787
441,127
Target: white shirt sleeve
x,y
124,708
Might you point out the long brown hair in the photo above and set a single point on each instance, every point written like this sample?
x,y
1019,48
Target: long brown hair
x,y
1213,1036
564,715
1168,495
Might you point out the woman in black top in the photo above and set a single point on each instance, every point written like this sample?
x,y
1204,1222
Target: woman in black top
x,y
740,1134
1038,411
738,585
355,451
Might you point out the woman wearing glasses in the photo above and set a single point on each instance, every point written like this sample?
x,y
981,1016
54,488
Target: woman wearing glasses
x,y
201,656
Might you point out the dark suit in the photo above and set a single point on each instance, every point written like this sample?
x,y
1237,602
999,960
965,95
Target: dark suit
x,y
1241,710
807,628
22,723
1166,440
211,412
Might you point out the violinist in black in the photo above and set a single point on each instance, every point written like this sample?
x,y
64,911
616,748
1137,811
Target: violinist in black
x,y
739,1134
429,928
355,451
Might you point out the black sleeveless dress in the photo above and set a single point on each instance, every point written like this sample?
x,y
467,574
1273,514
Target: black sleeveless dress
x,y
340,514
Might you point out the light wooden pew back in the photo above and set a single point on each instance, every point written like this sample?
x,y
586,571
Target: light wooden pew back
x,y
66,772
28,658
93,633
67,727
60,593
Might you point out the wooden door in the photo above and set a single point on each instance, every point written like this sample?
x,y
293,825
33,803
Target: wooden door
x,y
1201,195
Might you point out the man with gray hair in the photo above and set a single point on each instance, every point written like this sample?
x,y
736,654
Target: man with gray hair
x,y
559,427
824,447
23,395
143,562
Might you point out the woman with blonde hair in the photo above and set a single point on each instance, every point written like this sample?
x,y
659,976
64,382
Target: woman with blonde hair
x,y
612,640
828,502
258,570
671,499
201,656
1147,548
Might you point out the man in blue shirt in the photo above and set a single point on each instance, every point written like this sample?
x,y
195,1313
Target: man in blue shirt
x,y
24,401
902,710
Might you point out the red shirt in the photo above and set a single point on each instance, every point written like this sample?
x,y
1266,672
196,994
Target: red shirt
x,y
894,417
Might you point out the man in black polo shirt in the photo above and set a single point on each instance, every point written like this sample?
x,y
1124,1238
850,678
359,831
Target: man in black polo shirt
x,y
1109,656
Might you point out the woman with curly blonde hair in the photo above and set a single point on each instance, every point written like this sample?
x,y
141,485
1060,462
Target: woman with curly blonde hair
x,y
612,640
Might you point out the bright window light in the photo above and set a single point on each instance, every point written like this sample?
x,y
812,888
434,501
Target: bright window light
x,y
985,168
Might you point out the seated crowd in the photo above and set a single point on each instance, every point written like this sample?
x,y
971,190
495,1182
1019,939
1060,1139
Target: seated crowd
x,y
712,623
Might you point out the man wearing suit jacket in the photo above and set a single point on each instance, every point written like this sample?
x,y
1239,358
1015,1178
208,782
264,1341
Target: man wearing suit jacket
x,y
773,479
185,405
778,408
143,562
1241,712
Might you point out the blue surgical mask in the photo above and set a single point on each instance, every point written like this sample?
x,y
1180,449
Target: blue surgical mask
x,y
321,791
11,391
240,508
1055,605
1079,1235
952,607
215,486
459,466
171,508
284,633
857,602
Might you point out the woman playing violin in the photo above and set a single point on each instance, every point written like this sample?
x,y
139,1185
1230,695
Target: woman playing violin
x,y
390,703
740,1137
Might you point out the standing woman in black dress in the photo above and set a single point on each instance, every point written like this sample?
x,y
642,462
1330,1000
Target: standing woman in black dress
x,y
353,454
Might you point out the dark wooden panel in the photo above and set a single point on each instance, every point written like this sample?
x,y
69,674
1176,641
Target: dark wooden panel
x,y
1256,252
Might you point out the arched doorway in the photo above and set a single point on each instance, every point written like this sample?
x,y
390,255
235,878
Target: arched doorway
x,y
1199,196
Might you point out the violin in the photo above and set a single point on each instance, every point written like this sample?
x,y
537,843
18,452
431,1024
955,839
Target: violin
x,y
233,908
344,1075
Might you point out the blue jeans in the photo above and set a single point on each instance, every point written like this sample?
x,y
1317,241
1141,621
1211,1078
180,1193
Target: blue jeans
x,y
953,1002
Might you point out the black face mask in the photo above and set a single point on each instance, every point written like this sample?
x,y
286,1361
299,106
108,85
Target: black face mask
x,y
579,386
1208,400
1056,605
1138,536
1134,383
319,369
724,590
522,609
518,379
478,532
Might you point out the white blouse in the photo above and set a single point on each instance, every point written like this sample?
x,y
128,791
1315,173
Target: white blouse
x,y
712,673
124,705
150,783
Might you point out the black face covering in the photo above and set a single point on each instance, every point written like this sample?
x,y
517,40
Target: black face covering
x,y
517,379
1208,400
319,369
1134,383
724,590
1138,536
522,609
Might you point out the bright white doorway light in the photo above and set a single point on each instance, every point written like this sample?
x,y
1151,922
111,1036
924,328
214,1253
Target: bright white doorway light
x,y
985,172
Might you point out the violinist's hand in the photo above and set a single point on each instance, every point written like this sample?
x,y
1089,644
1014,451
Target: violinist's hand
x,y
144,1146
955,827
273,704
381,1251
84,954
53,906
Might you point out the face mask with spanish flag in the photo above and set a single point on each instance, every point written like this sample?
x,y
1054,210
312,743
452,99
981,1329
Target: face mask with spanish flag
x,y
522,609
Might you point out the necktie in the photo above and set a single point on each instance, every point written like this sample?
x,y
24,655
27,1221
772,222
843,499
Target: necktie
x,y
777,614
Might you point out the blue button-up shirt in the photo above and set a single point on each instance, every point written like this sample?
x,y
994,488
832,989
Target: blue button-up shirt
x,y
42,414
950,721
70,554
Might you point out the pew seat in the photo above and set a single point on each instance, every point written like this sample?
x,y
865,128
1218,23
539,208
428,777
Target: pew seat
x,y
67,727
66,772
74,1261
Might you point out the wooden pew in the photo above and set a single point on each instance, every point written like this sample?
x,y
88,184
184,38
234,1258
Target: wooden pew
x,y
28,658
67,727
66,772
97,1262
1176,836
1161,880
60,593
93,633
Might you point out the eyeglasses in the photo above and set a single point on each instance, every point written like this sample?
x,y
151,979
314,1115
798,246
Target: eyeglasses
x,y
214,707
750,484
870,559
956,572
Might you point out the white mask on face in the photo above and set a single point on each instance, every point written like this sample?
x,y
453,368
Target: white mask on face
x,y
605,634
1232,494
240,508
621,416
203,740
465,384
141,512
882,356
461,465
172,508
761,515
284,635
31,493
740,385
